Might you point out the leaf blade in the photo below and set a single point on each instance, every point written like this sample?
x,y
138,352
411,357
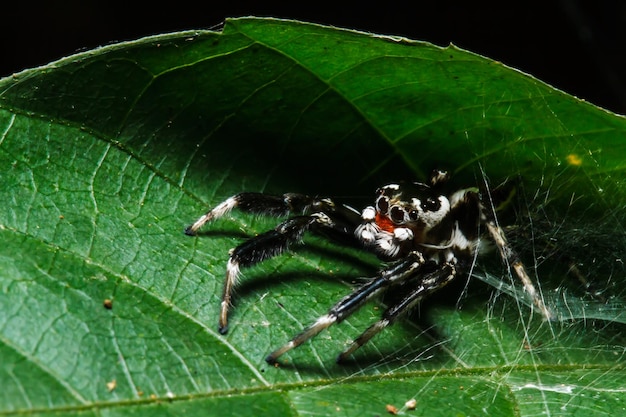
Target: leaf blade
x,y
113,152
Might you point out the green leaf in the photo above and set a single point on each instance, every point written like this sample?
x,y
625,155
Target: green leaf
x,y
107,155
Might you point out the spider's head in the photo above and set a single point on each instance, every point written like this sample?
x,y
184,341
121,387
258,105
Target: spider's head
x,y
402,217
414,205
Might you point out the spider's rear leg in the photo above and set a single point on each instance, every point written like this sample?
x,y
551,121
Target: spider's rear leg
x,y
428,284
259,203
510,258
396,273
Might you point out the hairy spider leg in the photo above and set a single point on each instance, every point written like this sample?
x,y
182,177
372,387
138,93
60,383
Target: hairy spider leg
x,y
426,285
258,249
274,242
268,245
512,260
397,273
260,203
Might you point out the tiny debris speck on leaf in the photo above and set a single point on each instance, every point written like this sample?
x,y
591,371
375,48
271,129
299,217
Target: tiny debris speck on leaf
x,y
111,385
411,404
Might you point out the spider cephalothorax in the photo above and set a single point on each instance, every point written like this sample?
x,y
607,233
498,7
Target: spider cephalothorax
x,y
415,216
424,234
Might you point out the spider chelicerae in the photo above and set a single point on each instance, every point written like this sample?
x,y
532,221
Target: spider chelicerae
x,y
423,235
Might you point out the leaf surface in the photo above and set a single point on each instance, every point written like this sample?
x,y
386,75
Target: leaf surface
x,y
109,154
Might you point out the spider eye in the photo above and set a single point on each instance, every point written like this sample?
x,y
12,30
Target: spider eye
x,y
382,205
397,214
431,204
413,214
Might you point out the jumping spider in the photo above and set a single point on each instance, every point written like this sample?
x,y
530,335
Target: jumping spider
x,y
423,235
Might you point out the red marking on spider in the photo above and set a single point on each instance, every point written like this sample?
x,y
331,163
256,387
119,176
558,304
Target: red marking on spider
x,y
384,223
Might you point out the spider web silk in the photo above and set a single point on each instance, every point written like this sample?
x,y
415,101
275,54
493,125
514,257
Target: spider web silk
x,y
574,256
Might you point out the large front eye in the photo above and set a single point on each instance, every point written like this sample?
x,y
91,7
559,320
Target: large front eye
x,y
382,204
397,214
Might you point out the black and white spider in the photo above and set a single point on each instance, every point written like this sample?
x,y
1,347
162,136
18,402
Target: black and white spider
x,y
424,236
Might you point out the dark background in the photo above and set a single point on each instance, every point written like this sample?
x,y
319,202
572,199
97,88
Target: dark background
x,y
577,46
